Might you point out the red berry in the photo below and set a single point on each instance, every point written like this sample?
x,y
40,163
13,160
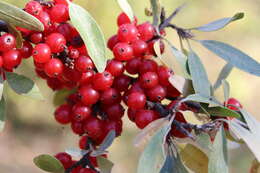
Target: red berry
x,y
131,114
56,41
136,87
157,93
151,47
93,127
115,67
112,42
87,77
115,112
36,37
66,30
1,61
33,7
132,66
114,125
122,82
26,49
124,19
59,13
64,2
127,33
102,81
235,102
41,74
83,142
7,42
73,52
62,114
110,96
136,100
149,79
71,75
148,65
41,53
11,59
80,112
45,19
140,48
172,91
77,127
145,117
54,67
65,159
146,31
54,84
123,52
88,95
84,64
164,73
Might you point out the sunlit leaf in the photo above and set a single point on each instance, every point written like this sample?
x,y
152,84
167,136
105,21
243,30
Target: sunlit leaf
x,y
75,152
104,165
183,85
221,111
226,89
198,98
48,163
226,70
2,113
156,8
127,9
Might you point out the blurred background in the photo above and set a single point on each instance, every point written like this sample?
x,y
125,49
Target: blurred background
x,y
31,130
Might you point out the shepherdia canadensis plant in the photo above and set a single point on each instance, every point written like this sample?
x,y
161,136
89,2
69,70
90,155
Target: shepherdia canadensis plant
x,y
93,91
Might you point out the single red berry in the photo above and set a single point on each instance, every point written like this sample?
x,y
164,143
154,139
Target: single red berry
x,y
33,7
54,84
122,82
115,111
88,95
151,47
140,48
172,91
131,114
71,75
127,33
124,19
174,131
80,112
11,59
136,87
235,102
182,106
83,142
41,53
132,66
84,64
56,41
77,127
59,13
64,2
110,96
62,114
164,73
7,42
157,93
65,159
149,80
26,49
123,52
1,61
39,66
112,42
115,68
66,30
136,100
93,127
45,19
145,117
102,81
36,37
86,77
117,126
148,65
146,31
73,53
54,67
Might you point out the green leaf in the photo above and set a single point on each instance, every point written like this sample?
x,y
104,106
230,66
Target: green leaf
x,y
184,86
218,24
156,8
226,89
218,156
198,98
23,85
60,96
2,113
104,165
153,156
19,38
233,56
90,33
17,17
48,163
194,159
75,152
199,76
127,9
107,142
221,112
203,142
226,70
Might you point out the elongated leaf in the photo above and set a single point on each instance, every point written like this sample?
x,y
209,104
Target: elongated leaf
x,y
218,155
226,89
183,85
203,142
198,98
199,76
104,165
19,38
18,17
156,8
48,163
2,113
233,56
127,9
153,157
75,152
226,70
218,24
90,33
23,86
221,112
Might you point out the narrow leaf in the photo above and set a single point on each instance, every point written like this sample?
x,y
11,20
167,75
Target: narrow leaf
x,y
226,89
221,112
233,56
48,163
75,152
17,17
198,98
218,24
156,8
218,155
104,165
23,85
127,9
90,33
226,70
199,76
2,113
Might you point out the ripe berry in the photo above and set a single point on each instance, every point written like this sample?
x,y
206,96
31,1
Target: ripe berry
x,y
124,19
73,52
77,127
80,112
1,61
110,96
148,65
87,77
65,159
93,127
145,117
84,64
164,73
114,125
33,7
45,19
71,75
59,13
131,114
66,30
64,2
41,53
151,47
56,41
26,49
122,82
7,42
157,93
102,81
172,91
235,102
127,33
146,31
54,84
149,80
140,48
136,100
132,66
11,59
88,95
53,68
115,111
36,37
62,114
112,42
123,52
115,67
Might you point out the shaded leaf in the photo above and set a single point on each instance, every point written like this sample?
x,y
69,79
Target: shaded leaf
x,y
48,163
2,113
17,17
90,33
218,24
127,9
104,165
156,9
23,85
226,70
183,85
233,56
18,35
199,76
61,95
75,152
226,89
218,155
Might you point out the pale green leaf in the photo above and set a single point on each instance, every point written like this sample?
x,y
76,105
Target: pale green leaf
x,y
104,165
48,163
226,70
2,113
127,9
